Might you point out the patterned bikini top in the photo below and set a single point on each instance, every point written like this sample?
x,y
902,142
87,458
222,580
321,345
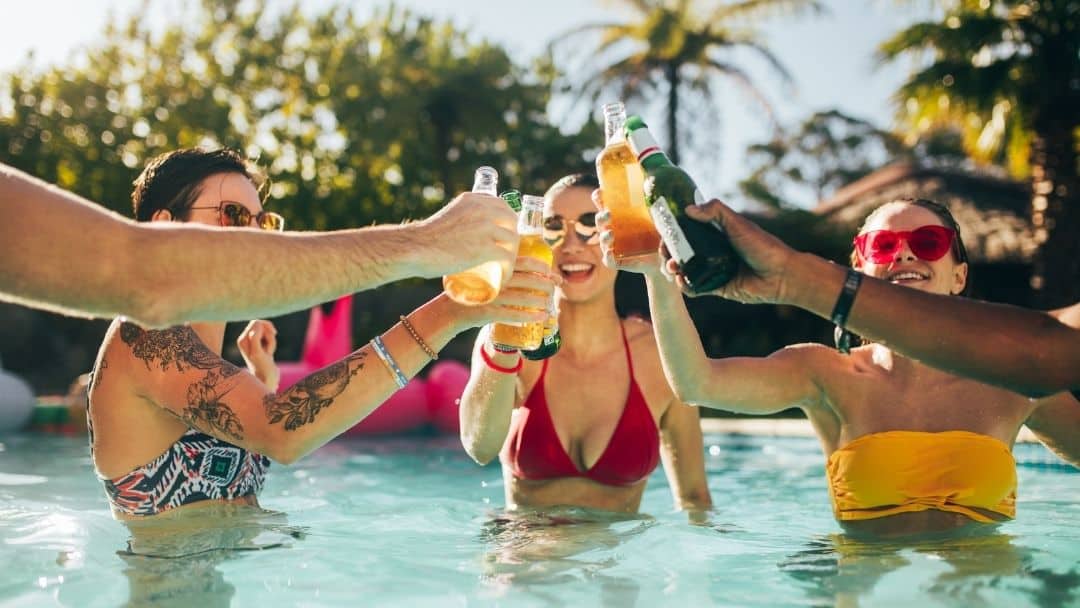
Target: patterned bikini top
x,y
197,467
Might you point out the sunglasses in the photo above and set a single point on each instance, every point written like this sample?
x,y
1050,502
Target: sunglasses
x,y
555,228
233,214
929,243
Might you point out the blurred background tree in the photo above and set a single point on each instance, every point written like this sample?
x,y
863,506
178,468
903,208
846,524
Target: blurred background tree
x,y
1006,73
675,49
383,118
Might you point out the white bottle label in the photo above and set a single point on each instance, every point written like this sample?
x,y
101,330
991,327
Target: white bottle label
x,y
669,230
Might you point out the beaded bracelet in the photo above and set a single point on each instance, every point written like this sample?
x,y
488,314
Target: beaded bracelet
x,y
380,350
416,336
500,368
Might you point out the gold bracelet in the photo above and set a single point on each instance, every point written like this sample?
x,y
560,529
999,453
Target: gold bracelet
x,y
412,332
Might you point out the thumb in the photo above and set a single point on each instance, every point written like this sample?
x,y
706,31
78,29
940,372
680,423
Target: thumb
x,y
713,210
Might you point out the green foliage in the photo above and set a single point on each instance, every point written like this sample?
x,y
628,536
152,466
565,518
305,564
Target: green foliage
x,y
994,69
356,121
675,48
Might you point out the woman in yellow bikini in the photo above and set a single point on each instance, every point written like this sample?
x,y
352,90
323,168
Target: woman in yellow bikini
x,y
910,449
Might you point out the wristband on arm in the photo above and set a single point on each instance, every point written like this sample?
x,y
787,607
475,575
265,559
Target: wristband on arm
x,y
842,309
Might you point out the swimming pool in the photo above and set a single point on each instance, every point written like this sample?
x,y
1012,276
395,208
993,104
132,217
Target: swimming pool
x,y
413,522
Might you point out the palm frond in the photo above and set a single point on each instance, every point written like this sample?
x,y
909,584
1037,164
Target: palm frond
x,y
757,9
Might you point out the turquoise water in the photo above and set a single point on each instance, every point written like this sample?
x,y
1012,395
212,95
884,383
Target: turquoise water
x,y
415,523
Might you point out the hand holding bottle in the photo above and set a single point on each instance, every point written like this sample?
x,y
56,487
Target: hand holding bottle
x,y
471,229
640,264
762,278
524,300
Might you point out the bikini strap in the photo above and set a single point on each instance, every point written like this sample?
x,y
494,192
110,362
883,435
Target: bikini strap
x,y
626,347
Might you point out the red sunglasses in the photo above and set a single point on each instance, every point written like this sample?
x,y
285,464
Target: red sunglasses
x,y
928,243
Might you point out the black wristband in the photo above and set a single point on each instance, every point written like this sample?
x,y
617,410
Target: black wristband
x,y
846,298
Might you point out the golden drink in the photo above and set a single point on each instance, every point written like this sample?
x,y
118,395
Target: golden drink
x,y
622,183
528,336
479,284
475,286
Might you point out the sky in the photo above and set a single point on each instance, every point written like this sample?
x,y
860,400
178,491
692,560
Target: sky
x,y
830,57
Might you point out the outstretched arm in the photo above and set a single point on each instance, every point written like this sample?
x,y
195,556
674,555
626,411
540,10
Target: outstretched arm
x,y
183,376
61,252
1021,350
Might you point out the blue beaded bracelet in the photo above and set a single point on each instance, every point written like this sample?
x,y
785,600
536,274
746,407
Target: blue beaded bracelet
x,y
380,350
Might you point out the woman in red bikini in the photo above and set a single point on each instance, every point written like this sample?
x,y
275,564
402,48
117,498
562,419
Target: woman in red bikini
x,y
586,427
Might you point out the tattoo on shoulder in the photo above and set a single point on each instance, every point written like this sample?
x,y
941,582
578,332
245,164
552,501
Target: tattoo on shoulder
x,y
206,406
304,400
179,347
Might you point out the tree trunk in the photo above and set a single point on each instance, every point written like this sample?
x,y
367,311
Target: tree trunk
x,y
671,72
1055,214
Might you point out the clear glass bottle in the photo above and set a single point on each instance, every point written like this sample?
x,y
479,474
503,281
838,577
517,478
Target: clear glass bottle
x,y
479,284
528,336
622,184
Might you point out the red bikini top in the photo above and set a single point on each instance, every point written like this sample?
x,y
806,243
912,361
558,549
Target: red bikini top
x,y
533,451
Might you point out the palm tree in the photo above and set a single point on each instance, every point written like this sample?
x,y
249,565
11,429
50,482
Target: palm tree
x,y
1007,73
675,47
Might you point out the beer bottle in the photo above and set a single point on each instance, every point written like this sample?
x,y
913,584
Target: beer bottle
x,y
552,340
479,284
621,180
705,256
527,336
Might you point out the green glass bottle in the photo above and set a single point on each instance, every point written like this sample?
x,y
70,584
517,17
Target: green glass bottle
x,y
552,339
512,198
704,254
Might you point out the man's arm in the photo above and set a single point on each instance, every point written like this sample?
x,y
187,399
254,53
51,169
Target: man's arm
x,y
1021,350
61,252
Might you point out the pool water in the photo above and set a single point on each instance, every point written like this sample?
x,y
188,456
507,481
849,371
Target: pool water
x,y
414,522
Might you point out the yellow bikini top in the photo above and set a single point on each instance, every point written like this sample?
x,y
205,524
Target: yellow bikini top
x,y
883,474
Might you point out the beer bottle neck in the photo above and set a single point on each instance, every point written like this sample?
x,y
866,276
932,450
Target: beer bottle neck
x,y
531,216
614,123
648,152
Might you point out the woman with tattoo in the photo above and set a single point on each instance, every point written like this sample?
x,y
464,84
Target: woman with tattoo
x,y
173,424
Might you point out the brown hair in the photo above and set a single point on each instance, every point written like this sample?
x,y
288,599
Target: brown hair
x,y
173,180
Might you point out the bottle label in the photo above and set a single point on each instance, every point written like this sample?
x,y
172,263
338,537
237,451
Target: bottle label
x,y
669,230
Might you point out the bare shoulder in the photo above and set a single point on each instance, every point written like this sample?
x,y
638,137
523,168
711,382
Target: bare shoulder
x,y
639,332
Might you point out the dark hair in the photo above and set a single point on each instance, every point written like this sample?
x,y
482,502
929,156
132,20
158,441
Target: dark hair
x,y
574,180
844,338
173,180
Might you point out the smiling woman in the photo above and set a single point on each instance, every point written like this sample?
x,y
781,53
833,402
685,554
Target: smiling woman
x,y
566,437
910,449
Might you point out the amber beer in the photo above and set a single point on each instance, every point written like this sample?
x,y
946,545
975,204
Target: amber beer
x,y
479,284
622,184
527,336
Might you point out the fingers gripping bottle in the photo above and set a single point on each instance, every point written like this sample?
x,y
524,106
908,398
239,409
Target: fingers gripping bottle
x,y
552,340
479,284
704,254
621,182
528,336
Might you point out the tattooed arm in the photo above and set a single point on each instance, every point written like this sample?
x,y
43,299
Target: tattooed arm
x,y
182,375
